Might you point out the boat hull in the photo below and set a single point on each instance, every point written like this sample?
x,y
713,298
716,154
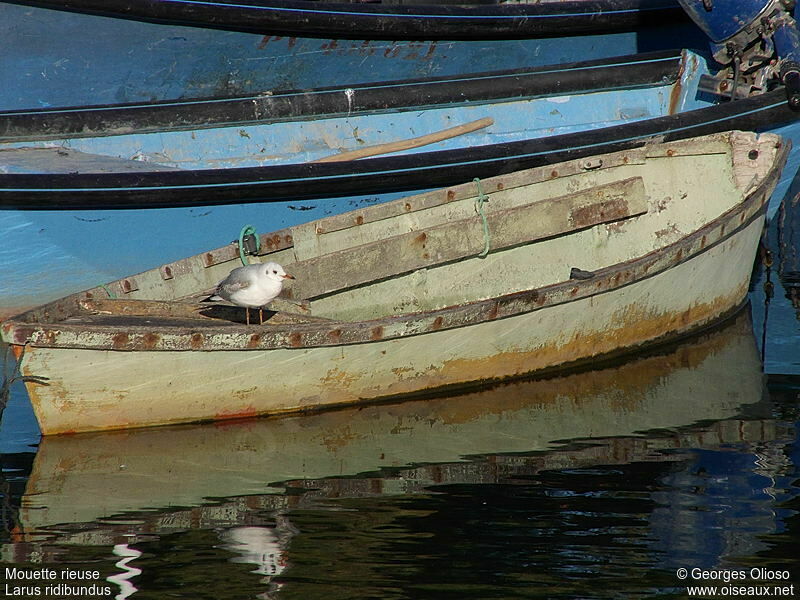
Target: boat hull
x,y
392,21
197,386
666,259
655,392
122,60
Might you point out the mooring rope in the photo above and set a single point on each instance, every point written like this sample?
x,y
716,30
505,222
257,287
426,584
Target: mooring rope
x,y
247,230
479,202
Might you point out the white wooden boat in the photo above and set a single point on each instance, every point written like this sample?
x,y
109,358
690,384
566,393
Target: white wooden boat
x,y
532,271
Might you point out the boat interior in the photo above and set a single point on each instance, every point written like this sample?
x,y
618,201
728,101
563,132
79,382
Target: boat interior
x,y
483,239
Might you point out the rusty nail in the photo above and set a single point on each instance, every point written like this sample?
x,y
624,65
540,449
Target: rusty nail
x,y
150,340
120,340
197,341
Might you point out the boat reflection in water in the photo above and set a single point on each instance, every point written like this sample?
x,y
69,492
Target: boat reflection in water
x,y
788,229
243,483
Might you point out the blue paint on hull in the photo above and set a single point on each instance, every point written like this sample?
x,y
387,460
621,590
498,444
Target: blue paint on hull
x,y
69,59
296,142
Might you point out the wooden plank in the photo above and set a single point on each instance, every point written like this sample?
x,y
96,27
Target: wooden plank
x,y
400,145
289,311
69,160
442,196
463,238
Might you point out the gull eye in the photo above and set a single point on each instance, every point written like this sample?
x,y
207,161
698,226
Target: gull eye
x,y
274,272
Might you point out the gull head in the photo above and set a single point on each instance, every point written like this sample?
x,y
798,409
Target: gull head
x,y
275,272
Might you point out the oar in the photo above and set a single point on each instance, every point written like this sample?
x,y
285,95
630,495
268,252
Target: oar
x,y
431,138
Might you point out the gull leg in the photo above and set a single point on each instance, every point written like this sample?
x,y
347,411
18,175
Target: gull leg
x,y
247,314
260,315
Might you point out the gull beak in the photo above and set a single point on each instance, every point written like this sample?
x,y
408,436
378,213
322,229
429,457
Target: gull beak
x,y
287,276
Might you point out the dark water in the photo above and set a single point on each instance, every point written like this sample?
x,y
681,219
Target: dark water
x,y
601,484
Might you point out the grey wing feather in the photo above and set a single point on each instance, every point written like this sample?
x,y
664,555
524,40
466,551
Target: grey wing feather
x,y
233,286
228,286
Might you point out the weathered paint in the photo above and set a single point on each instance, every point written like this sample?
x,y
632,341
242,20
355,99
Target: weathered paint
x,y
89,389
646,288
263,141
120,60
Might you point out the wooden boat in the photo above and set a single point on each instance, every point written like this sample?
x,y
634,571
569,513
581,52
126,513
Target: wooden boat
x,y
528,272
387,20
305,144
58,58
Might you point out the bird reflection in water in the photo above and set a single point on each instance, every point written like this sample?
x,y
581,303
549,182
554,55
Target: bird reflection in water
x,y
128,554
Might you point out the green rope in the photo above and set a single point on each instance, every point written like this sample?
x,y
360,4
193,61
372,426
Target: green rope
x,y
479,202
247,230
111,294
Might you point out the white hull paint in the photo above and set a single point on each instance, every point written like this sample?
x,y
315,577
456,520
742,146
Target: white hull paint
x,y
109,389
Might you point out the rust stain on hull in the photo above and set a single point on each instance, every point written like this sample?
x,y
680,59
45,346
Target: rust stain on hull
x,y
631,380
632,329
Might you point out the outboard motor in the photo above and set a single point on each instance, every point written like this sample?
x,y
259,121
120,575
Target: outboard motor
x,y
756,41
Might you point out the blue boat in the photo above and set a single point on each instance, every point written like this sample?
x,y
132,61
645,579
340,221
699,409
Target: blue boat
x,y
391,19
60,58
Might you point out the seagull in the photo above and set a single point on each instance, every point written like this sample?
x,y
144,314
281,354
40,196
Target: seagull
x,y
252,286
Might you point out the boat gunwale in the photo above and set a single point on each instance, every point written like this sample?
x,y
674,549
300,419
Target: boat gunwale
x,y
24,329
635,71
388,22
423,170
